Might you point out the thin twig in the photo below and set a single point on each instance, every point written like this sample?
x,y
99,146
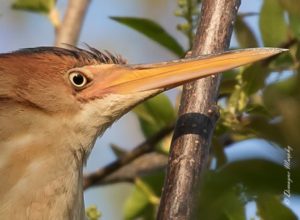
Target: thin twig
x,y
69,30
143,148
197,117
248,14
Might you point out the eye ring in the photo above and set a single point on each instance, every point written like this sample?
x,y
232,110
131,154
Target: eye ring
x,y
78,80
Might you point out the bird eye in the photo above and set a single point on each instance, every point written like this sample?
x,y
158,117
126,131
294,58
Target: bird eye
x,y
78,79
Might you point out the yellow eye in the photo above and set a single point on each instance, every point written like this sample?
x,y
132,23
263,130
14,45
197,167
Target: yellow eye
x,y
78,80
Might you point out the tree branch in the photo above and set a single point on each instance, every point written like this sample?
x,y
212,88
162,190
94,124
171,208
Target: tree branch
x,y
147,146
143,165
68,32
197,116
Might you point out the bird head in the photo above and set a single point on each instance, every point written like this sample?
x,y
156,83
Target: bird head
x,y
55,102
84,91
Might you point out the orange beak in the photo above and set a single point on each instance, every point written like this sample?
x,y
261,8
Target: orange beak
x,y
122,79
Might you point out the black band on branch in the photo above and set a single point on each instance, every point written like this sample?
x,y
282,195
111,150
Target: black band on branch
x,y
193,123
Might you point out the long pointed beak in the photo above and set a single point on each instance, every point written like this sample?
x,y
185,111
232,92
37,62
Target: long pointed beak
x,y
122,79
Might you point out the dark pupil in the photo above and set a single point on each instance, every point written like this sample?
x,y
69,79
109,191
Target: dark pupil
x,y
78,79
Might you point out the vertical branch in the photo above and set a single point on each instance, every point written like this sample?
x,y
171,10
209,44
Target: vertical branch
x,y
197,116
68,32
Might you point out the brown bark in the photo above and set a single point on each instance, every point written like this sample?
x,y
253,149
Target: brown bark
x,y
197,117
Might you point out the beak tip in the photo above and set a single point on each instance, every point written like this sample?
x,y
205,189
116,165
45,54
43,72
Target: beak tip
x,y
271,50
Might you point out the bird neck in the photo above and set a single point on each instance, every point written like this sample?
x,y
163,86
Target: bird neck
x,y
42,155
41,174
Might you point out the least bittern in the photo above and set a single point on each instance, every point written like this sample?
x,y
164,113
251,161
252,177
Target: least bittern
x,y
55,102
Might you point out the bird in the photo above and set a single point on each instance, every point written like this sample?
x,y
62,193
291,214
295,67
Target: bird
x,y
55,102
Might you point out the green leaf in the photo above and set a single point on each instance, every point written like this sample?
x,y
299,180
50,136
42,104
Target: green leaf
x,y
149,213
282,98
295,24
261,127
244,34
227,206
153,31
43,6
277,93
292,6
155,181
272,23
135,204
257,109
293,9
228,82
271,208
254,78
257,175
283,61
155,114
145,197
297,54
225,191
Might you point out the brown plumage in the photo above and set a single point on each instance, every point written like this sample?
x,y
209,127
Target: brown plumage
x,y
55,102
